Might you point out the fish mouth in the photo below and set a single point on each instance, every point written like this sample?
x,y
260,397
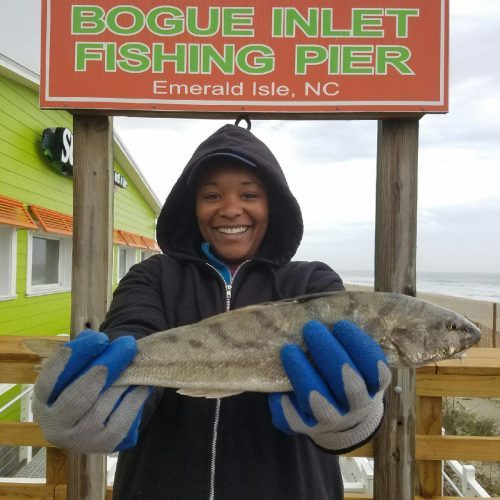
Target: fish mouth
x,y
473,334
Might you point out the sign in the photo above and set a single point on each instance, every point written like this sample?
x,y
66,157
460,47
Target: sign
x,y
246,56
57,144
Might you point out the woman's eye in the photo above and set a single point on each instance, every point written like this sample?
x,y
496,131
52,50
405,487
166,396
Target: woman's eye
x,y
210,196
250,195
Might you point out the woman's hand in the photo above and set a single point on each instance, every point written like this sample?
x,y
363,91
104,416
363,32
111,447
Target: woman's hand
x,y
337,397
75,403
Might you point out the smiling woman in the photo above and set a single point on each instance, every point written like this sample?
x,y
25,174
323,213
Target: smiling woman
x,y
228,231
232,211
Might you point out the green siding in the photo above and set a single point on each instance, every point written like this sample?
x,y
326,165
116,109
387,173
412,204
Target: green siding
x,y
13,413
131,211
27,175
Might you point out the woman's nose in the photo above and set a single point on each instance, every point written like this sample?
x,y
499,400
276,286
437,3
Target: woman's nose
x,y
231,208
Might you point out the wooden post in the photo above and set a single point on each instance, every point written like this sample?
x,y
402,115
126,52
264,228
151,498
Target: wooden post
x,y
494,326
429,423
55,466
395,271
92,265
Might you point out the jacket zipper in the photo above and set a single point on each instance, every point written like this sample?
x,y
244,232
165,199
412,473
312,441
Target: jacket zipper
x,y
228,287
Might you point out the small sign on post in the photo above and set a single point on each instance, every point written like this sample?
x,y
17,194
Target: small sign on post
x,y
312,58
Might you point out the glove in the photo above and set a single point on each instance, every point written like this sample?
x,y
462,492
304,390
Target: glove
x,y
338,400
74,403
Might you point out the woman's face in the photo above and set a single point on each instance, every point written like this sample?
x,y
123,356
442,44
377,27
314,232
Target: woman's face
x,y
232,211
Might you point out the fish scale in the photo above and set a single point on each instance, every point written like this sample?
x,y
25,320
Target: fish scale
x,y
239,350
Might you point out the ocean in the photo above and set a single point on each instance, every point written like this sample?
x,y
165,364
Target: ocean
x,y
476,286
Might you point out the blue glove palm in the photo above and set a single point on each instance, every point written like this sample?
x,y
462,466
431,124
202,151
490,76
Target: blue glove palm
x,y
74,400
337,399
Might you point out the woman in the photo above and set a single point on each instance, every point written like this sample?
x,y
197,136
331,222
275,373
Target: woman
x,y
228,231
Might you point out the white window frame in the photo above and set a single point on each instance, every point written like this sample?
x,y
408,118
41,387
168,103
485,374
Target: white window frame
x,y
8,258
131,259
65,259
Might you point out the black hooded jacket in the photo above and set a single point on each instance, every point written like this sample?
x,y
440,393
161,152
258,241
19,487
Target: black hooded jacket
x,y
199,449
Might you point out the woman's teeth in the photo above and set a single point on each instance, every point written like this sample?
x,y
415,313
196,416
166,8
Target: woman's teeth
x,y
232,230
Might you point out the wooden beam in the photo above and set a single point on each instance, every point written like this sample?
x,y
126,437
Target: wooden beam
x,y
481,361
22,434
18,363
61,492
92,265
474,386
56,465
429,421
465,448
26,491
494,326
395,271
261,115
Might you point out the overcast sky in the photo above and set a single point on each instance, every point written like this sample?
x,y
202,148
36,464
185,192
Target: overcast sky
x,y
330,165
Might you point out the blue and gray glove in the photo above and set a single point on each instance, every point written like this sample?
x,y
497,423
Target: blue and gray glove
x,y
337,400
74,402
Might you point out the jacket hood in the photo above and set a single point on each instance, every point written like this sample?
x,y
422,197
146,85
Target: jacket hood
x,y
177,230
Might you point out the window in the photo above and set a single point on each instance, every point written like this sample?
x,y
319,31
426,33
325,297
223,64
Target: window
x,y
8,251
49,264
127,257
145,254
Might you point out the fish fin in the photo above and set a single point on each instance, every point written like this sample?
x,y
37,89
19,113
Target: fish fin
x,y
43,347
205,393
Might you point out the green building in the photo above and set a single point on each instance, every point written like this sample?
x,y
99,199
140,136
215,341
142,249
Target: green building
x,y
36,203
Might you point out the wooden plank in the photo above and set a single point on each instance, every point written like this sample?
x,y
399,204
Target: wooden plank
x,y
478,361
494,326
13,348
22,434
458,386
56,466
395,271
18,364
92,265
61,492
458,448
363,451
481,364
429,422
365,115
18,372
23,491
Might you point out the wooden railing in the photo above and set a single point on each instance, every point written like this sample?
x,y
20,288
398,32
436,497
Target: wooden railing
x,y
476,375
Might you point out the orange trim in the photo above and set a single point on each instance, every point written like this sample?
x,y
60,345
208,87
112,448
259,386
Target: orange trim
x,y
121,237
52,221
118,238
132,240
151,244
13,213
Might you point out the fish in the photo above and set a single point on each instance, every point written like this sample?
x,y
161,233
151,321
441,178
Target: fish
x,y
239,350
